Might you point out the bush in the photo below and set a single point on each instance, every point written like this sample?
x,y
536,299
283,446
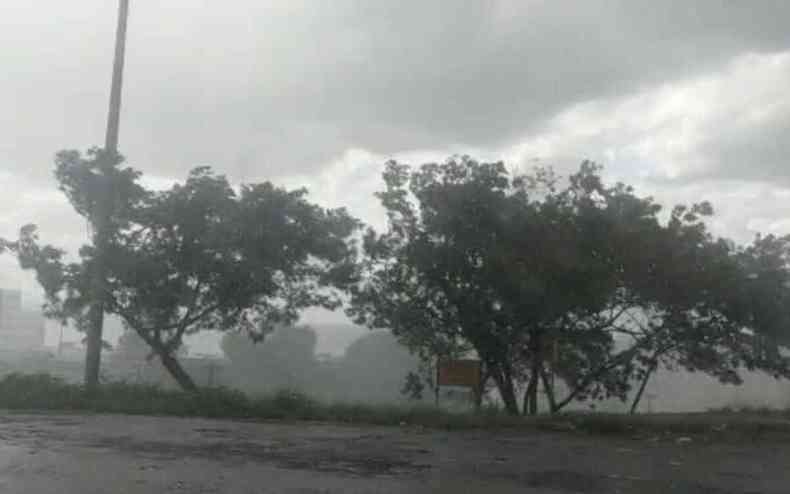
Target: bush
x,y
45,392
40,391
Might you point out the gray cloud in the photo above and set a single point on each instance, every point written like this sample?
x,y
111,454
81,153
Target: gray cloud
x,y
262,88
760,151
404,77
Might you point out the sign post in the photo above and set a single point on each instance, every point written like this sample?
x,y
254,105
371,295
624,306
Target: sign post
x,y
458,372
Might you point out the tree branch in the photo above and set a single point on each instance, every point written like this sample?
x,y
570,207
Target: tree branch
x,y
616,360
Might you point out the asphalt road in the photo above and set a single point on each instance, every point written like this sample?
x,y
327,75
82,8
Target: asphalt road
x,y
120,454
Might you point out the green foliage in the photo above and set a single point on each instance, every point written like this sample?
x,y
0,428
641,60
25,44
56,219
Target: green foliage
x,y
476,259
198,256
89,180
580,279
38,391
105,194
535,274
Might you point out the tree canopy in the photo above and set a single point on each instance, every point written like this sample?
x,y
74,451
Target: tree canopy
x,y
200,255
538,273
567,283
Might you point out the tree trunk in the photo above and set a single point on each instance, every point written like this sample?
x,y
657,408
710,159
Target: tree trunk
x,y
549,387
642,387
479,397
481,389
93,345
531,395
506,391
509,397
177,371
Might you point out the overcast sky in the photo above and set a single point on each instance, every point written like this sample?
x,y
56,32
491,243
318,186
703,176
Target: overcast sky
x,y
685,100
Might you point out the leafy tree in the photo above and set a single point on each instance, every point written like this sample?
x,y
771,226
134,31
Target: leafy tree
x,y
102,191
582,282
765,295
659,293
696,308
202,256
475,259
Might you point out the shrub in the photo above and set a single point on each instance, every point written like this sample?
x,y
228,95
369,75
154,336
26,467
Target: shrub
x,y
40,391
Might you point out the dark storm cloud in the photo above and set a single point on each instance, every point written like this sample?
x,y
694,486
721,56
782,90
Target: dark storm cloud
x,y
408,76
268,89
262,88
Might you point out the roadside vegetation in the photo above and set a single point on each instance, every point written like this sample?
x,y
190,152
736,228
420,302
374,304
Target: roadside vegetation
x,y
567,288
44,393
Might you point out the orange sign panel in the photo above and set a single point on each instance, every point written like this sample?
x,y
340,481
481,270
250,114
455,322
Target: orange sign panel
x,y
459,373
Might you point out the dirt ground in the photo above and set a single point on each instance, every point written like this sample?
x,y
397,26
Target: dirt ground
x,y
121,454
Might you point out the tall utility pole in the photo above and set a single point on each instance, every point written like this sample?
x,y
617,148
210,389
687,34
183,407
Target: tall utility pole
x,y
101,216
114,115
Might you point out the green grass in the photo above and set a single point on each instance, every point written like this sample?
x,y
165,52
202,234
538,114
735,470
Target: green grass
x,y
42,392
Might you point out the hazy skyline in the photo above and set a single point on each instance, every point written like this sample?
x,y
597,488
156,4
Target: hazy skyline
x,y
685,100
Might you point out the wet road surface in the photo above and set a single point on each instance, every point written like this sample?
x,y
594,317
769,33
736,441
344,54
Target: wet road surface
x,y
87,454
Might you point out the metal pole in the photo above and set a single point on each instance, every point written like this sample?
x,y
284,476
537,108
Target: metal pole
x,y
101,216
114,115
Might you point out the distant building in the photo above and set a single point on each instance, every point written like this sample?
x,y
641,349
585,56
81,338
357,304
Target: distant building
x,y
19,329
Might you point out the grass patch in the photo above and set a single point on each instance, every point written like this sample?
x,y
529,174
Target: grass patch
x,y
44,392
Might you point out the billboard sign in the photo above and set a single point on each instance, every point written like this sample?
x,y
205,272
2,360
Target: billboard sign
x,y
451,372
